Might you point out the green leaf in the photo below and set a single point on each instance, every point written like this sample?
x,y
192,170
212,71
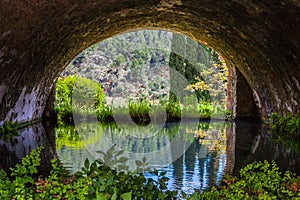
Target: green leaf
x,y
87,163
123,159
114,196
138,163
119,153
126,196
100,196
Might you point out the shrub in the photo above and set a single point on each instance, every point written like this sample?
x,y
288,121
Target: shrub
x,y
8,130
286,129
286,124
258,180
79,95
95,181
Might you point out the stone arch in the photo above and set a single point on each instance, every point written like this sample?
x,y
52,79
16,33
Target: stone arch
x,y
38,39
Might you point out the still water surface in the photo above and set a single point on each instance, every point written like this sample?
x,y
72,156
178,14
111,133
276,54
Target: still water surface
x,y
194,154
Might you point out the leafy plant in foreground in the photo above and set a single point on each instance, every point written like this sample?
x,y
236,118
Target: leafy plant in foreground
x,y
22,185
111,180
258,180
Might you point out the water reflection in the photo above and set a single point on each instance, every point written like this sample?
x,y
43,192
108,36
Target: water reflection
x,y
29,138
193,154
207,151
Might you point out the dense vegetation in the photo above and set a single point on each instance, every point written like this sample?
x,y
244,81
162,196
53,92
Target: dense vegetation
x,y
8,130
135,68
98,181
78,95
81,96
259,180
286,129
95,181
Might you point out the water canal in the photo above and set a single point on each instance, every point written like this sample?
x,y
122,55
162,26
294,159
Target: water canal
x,y
194,155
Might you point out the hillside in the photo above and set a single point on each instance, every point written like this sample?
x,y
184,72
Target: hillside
x,y
135,65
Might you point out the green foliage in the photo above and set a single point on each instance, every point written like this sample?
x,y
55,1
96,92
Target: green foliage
x,y
77,95
95,181
22,185
201,66
286,129
64,90
173,109
286,124
8,130
22,182
139,110
59,186
259,180
111,181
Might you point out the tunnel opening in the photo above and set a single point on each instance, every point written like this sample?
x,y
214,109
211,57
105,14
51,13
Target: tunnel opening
x,y
260,38
135,57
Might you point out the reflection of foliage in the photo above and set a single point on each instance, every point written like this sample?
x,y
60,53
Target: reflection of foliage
x,y
212,135
68,136
286,129
8,130
257,181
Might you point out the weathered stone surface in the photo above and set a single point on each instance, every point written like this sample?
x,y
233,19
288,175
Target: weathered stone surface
x,y
38,39
28,139
240,98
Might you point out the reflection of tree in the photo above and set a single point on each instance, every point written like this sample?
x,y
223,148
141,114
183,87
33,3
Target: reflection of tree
x,y
67,136
189,158
204,168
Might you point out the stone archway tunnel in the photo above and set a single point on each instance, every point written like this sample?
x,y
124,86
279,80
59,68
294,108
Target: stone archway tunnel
x,y
39,38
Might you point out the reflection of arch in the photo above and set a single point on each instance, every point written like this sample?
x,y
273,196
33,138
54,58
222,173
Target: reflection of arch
x,y
38,39
19,146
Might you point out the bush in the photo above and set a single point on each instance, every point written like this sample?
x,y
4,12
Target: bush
x,y
259,180
8,130
95,181
286,124
286,129
79,95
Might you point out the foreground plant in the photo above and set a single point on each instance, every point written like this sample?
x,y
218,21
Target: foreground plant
x,y
259,180
22,185
112,180
95,181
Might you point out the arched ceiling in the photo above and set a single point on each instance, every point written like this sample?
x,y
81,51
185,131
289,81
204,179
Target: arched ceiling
x,y
39,38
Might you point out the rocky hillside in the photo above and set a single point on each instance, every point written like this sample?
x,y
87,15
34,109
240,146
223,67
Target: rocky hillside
x,y
135,65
